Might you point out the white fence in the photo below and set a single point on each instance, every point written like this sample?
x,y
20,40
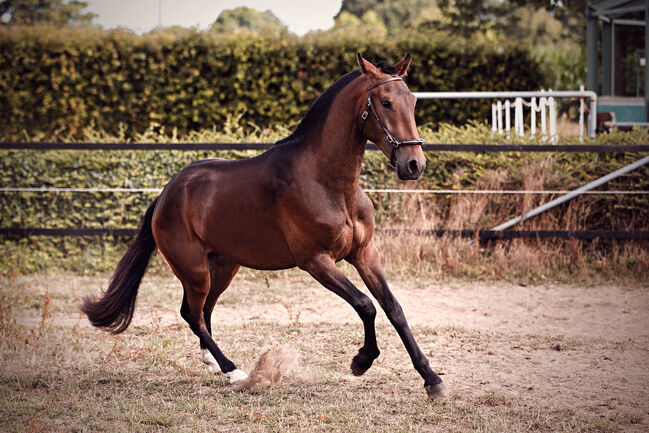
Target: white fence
x,y
542,102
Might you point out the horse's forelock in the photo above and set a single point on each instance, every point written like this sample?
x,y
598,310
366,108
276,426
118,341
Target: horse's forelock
x,y
386,67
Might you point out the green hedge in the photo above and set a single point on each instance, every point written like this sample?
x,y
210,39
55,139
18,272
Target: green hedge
x,y
63,80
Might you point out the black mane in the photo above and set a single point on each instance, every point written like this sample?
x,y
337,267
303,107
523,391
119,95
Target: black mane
x,y
320,107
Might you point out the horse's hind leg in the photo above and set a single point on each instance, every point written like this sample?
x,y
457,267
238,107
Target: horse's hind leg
x,y
222,272
191,266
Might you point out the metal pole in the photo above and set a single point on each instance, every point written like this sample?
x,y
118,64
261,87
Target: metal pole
x,y
592,118
592,40
607,58
573,194
646,63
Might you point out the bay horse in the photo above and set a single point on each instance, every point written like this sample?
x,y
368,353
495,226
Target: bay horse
x,y
297,204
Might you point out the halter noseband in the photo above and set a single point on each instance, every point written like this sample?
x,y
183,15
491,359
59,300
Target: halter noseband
x,y
370,107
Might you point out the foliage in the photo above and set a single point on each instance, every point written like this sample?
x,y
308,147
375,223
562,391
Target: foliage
x,y
565,64
552,32
248,19
152,169
466,17
55,12
65,80
571,13
393,15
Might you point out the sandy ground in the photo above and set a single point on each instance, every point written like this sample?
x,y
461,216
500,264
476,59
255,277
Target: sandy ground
x,y
564,345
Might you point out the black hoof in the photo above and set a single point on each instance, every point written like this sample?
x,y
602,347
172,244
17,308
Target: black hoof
x,y
360,364
436,391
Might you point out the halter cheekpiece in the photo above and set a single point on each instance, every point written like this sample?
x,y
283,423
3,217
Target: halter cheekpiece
x,y
370,108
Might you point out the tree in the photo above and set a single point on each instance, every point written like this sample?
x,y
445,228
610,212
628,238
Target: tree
x,y
25,12
466,17
395,15
571,13
357,7
368,24
247,19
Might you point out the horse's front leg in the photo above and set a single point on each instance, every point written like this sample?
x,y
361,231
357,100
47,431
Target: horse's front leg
x,y
368,263
324,270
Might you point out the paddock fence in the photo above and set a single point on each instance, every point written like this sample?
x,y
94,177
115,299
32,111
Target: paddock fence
x,y
497,233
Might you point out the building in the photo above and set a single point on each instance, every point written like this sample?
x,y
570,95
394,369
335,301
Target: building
x,y
618,30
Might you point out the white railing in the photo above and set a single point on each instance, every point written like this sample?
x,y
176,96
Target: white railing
x,y
545,101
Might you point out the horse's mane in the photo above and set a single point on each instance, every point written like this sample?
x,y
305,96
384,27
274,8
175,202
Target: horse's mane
x,y
318,110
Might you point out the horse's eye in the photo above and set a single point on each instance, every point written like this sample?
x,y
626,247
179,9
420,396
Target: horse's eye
x,y
386,104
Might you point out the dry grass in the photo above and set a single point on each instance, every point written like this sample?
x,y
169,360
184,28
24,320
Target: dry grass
x,y
524,260
59,374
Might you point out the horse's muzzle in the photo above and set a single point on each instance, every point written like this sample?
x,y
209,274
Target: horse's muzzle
x,y
410,169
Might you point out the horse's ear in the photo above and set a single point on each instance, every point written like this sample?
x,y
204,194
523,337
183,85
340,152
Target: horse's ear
x,y
402,66
367,68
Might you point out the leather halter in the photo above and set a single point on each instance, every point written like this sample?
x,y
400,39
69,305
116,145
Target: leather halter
x,y
370,107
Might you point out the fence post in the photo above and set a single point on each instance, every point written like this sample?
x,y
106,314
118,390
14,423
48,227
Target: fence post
x,y
518,117
500,116
544,128
508,121
581,114
552,113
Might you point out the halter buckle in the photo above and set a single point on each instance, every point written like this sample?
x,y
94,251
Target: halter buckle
x,y
365,114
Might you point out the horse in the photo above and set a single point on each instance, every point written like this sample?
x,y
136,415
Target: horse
x,y
297,204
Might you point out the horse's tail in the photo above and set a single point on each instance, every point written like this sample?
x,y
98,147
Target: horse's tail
x,y
114,309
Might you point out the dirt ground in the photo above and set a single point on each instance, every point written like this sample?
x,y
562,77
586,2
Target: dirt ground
x,y
563,347
589,346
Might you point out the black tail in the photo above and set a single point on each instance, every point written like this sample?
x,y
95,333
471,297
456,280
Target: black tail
x,y
114,310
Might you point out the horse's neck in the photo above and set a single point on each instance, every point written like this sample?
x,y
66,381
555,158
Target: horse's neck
x,y
338,153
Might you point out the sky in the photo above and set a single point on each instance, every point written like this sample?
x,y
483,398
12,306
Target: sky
x,y
142,15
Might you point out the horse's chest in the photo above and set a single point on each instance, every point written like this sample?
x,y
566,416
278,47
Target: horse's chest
x,y
342,245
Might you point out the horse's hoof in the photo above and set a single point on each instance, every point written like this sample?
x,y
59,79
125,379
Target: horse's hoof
x,y
357,369
236,375
436,391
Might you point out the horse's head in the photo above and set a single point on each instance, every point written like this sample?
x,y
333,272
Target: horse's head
x,y
388,117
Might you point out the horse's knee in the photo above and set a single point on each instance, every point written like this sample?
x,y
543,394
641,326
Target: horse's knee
x,y
366,308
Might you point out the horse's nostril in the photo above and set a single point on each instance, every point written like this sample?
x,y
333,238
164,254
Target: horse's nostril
x,y
413,166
